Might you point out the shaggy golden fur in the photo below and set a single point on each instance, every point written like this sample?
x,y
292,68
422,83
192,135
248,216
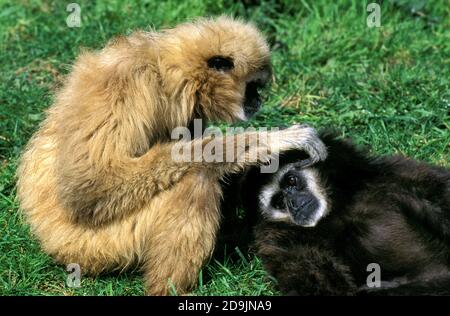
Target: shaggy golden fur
x,y
97,182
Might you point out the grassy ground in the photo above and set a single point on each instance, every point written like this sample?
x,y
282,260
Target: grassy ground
x,y
387,87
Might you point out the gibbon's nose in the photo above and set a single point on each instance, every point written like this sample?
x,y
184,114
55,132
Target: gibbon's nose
x,y
297,201
302,206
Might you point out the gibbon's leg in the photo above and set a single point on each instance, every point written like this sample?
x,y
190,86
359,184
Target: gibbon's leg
x,y
183,237
301,269
127,184
308,270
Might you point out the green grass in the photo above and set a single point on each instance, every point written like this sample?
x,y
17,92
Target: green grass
x,y
386,87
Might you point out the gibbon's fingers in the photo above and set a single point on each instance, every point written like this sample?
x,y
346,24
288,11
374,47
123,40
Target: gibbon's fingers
x,y
253,148
313,144
300,137
303,164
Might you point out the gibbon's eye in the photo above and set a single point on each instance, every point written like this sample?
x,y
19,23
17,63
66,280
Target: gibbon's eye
x,y
220,63
292,181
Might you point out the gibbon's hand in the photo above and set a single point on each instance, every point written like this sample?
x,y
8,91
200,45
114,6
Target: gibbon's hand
x,y
304,164
312,145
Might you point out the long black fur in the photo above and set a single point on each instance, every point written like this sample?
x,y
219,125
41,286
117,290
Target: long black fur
x,y
393,211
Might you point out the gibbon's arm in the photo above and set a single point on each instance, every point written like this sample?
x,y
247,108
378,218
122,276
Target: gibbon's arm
x,y
96,193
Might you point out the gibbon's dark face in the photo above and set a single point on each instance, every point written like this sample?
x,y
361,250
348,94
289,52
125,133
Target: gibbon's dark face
x,y
294,196
220,66
256,81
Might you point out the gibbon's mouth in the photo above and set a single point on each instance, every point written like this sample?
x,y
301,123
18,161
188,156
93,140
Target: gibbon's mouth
x,y
252,99
304,210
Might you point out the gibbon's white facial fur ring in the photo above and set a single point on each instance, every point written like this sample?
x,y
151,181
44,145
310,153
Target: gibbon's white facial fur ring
x,y
312,184
268,191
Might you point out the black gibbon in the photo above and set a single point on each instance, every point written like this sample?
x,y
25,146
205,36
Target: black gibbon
x,y
319,227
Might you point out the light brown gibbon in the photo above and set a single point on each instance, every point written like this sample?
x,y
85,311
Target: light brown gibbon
x,y
97,182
